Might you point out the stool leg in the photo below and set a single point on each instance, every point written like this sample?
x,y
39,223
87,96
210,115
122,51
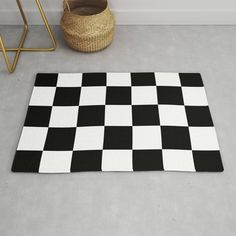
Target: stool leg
x,y
11,68
49,30
47,27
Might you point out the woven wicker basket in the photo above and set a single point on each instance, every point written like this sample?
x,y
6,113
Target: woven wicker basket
x,y
88,25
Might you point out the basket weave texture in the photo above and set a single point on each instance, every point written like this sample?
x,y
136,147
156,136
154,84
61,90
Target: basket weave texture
x,y
85,31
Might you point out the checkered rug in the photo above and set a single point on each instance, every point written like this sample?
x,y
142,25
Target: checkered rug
x,y
118,122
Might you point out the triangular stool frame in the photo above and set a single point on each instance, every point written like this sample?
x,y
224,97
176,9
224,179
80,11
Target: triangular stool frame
x,y
11,67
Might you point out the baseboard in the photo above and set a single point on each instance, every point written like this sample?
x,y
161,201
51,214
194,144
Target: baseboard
x,y
136,17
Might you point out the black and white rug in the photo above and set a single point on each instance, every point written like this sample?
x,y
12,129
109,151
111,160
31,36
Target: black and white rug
x,y
118,122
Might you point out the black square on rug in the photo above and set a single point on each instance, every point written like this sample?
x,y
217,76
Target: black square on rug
x,y
118,122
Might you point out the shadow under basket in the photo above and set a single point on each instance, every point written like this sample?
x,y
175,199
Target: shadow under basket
x,y
88,25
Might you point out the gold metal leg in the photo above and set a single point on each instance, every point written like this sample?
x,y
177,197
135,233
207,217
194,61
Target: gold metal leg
x,y
12,67
20,48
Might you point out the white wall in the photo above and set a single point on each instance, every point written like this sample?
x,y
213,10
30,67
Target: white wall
x,y
137,11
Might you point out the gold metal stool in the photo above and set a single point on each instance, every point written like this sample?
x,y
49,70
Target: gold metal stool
x,y
11,67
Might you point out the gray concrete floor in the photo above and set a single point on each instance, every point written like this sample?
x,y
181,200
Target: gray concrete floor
x,y
153,203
